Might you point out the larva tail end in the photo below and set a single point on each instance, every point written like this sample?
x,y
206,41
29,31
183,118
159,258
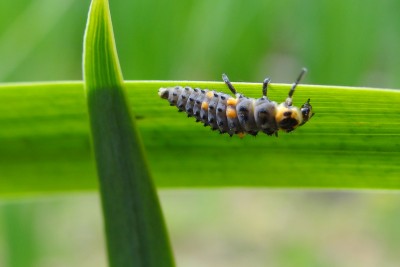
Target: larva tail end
x,y
163,93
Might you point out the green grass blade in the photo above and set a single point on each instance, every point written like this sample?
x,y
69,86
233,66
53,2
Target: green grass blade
x,y
353,141
22,243
135,230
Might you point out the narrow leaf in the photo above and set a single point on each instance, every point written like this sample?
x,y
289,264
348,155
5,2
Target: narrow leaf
x,y
136,234
353,141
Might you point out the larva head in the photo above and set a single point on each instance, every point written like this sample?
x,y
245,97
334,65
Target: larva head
x,y
306,112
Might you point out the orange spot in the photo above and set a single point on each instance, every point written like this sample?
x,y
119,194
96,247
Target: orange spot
x,y
279,115
292,115
231,113
241,135
210,94
295,115
231,102
204,105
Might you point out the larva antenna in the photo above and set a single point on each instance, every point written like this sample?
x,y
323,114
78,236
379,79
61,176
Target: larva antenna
x,y
291,91
228,83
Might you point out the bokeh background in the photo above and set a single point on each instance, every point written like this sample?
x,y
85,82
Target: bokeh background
x,y
341,42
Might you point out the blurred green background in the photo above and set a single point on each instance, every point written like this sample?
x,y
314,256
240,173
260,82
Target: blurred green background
x,y
340,42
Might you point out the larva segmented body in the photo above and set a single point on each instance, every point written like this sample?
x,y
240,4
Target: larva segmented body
x,y
241,114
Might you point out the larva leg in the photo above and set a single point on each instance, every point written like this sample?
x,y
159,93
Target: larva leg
x,y
265,86
291,92
228,83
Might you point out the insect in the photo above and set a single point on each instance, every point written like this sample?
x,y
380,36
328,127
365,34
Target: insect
x,y
240,114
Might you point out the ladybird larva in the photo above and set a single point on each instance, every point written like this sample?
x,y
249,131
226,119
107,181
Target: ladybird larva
x,y
240,114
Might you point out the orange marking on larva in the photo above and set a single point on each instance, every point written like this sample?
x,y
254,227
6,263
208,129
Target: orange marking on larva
x,y
231,113
241,135
279,115
210,94
204,105
295,115
231,101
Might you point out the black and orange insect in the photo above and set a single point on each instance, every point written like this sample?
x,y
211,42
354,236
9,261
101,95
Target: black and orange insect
x,y
239,115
